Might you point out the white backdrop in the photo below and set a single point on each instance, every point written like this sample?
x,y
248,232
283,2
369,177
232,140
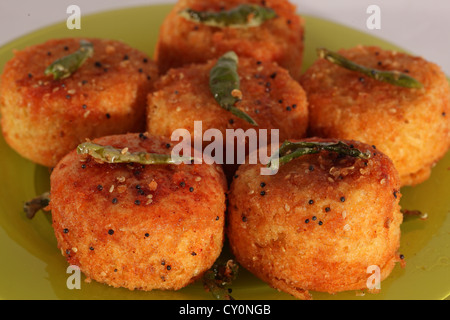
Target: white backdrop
x,y
421,27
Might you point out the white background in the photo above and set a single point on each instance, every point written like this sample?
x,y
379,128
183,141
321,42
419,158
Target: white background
x,y
419,26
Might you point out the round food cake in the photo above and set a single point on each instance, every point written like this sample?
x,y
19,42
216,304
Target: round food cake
x,y
183,41
269,96
158,226
410,125
319,223
44,118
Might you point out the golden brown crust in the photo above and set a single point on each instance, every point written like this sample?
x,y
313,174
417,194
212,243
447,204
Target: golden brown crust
x,y
319,223
411,126
269,95
164,241
183,42
43,119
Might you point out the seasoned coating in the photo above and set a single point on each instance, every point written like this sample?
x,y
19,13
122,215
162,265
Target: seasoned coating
x,y
43,119
411,126
269,96
138,227
183,42
319,223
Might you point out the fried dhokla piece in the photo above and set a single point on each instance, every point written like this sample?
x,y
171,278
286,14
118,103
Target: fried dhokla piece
x,y
410,125
183,41
157,226
43,118
268,94
319,222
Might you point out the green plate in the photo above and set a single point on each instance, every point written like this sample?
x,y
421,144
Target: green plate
x,y
33,268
